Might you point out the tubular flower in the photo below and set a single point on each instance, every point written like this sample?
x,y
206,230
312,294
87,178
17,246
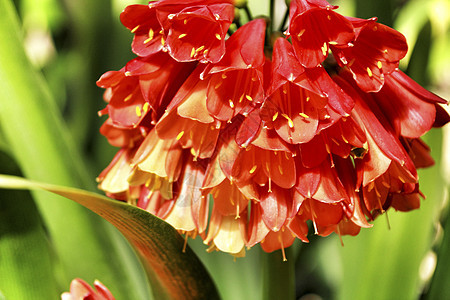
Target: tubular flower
x,y
242,142
192,30
79,289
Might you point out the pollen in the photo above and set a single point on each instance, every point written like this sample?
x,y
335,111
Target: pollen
x,y
324,49
369,71
301,33
163,41
138,111
253,169
224,76
217,17
248,97
231,103
379,65
151,33
185,21
332,43
290,123
146,107
128,98
375,28
218,37
304,115
180,135
135,29
275,116
308,98
329,17
199,49
193,52
182,35
127,73
291,77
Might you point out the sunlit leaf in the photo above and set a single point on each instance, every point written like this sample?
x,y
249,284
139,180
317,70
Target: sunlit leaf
x,y
174,274
26,262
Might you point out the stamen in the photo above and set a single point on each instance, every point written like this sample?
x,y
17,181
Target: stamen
x,y
290,123
128,98
218,37
304,115
146,107
127,73
180,135
249,98
135,29
231,103
253,169
200,49
301,33
324,49
182,35
138,111
192,52
379,65
369,71
275,116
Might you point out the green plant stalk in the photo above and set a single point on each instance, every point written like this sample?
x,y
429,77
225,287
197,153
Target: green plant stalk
x,y
42,146
279,275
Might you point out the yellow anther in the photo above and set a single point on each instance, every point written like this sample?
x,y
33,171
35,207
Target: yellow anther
x,y
217,16
324,49
128,98
308,98
182,35
193,52
231,103
369,71
180,135
185,21
200,49
241,98
275,116
147,40
253,169
379,65
304,115
138,111
150,33
375,28
290,123
291,77
249,98
224,76
218,37
163,41
301,33
146,107
127,73
332,43
135,29
329,17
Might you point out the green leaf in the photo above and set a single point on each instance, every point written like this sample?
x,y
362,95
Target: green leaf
x,y
174,274
26,260
42,146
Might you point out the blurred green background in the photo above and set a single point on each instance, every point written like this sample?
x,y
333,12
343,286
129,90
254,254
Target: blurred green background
x,y
68,46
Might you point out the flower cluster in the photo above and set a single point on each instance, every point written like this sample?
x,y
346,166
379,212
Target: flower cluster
x,y
240,141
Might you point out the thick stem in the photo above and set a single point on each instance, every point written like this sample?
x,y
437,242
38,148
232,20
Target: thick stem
x,y
279,275
271,15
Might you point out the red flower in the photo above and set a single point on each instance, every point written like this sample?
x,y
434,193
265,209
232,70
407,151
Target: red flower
x,y
271,145
79,289
314,26
235,83
374,54
192,30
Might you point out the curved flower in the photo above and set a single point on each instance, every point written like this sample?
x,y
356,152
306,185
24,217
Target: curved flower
x,y
374,54
314,26
249,146
79,289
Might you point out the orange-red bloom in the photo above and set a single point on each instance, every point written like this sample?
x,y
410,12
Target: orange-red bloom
x,y
226,136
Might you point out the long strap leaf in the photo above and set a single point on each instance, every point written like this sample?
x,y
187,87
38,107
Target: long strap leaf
x,y
175,274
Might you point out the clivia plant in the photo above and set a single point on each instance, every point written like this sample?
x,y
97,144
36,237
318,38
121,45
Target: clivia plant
x,y
242,133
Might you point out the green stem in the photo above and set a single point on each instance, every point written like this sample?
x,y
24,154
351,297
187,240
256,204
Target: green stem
x,y
272,16
279,275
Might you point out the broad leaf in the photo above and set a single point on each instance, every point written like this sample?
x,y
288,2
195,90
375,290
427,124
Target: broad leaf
x,y
174,274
